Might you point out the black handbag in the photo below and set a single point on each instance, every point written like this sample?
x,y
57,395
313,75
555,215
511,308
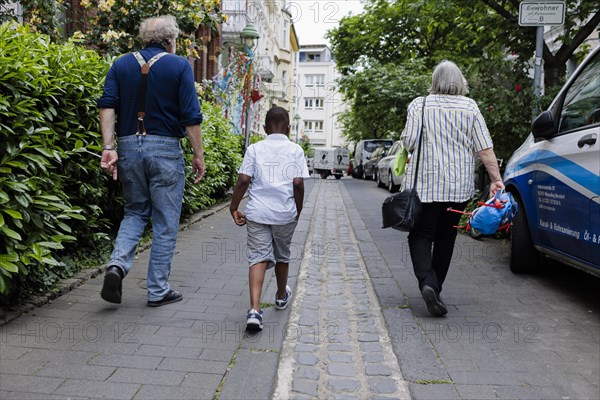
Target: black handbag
x,y
402,210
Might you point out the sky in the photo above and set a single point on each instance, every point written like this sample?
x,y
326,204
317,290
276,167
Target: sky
x,y
312,18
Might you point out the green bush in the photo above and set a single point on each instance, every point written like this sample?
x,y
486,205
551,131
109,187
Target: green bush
x,y
56,205
49,184
506,98
222,158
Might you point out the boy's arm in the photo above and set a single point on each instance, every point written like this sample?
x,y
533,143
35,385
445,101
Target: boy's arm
x,y
238,193
298,194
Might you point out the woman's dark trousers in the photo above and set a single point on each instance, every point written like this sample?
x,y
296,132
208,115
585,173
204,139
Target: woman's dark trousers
x,y
431,243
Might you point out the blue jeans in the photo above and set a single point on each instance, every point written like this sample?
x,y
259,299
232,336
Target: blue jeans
x,y
152,176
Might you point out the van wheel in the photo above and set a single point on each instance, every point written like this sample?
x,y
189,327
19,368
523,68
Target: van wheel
x,y
524,258
391,187
338,176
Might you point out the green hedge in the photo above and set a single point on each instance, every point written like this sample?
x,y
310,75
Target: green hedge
x,y
55,203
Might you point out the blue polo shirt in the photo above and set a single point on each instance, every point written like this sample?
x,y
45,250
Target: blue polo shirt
x,y
171,99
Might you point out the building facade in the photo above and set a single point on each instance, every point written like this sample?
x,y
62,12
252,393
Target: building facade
x,y
272,56
318,102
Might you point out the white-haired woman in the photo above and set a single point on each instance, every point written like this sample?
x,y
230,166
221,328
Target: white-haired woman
x,y
454,132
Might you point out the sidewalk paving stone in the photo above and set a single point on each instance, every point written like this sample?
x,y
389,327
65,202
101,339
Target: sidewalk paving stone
x,y
356,328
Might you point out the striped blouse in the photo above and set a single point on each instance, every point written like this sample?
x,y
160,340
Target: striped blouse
x,y
454,132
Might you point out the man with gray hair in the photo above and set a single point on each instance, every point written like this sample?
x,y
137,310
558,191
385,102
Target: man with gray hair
x,y
149,103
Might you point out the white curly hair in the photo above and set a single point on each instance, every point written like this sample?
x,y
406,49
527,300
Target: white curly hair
x,y
162,30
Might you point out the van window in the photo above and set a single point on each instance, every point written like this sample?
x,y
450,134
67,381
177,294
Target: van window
x,y
372,145
582,101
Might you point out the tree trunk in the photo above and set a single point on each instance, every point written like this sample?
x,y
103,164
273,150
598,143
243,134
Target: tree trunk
x,y
553,72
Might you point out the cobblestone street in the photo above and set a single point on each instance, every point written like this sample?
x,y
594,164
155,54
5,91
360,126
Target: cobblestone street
x,y
336,345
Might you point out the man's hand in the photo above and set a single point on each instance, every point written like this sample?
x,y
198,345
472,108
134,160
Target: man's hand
x,y
109,162
238,217
198,167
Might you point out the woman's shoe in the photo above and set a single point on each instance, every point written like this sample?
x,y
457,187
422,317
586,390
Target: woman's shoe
x,y
434,306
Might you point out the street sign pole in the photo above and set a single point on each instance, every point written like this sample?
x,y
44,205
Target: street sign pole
x,y
539,14
537,71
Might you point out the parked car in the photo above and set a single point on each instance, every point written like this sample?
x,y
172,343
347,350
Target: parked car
x,y
386,176
370,167
363,151
555,178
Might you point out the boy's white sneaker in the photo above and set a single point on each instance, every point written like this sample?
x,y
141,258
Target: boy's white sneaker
x,y
281,304
255,320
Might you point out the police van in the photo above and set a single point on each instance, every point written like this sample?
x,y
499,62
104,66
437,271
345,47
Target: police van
x,y
555,177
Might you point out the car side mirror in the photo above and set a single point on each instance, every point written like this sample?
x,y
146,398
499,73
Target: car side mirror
x,y
543,126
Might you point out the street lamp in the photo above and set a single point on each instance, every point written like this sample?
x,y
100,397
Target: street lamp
x,y
249,35
249,38
297,118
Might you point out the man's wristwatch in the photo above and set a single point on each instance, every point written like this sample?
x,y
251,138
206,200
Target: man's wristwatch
x,y
108,147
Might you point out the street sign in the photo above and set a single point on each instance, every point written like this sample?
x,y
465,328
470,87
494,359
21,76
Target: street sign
x,y
540,13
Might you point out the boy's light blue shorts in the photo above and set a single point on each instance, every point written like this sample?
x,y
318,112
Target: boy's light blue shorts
x,y
269,243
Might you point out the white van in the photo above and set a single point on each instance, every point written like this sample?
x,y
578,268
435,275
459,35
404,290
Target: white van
x,y
331,161
363,151
555,177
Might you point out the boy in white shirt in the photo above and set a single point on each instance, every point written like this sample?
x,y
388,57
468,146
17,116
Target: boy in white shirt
x,y
273,171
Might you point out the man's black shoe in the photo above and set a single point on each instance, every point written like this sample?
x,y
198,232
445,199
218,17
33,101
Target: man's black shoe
x,y
113,284
171,297
434,306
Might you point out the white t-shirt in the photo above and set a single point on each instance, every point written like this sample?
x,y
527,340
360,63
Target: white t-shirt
x,y
273,163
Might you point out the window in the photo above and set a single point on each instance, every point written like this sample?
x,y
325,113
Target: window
x,y
313,103
582,101
314,80
372,145
313,57
285,39
313,126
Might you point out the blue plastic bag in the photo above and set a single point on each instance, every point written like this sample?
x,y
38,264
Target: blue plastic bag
x,y
494,213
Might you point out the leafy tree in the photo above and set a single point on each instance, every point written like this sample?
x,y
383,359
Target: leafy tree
x,y
111,25
505,98
403,29
394,32
482,36
581,19
378,98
